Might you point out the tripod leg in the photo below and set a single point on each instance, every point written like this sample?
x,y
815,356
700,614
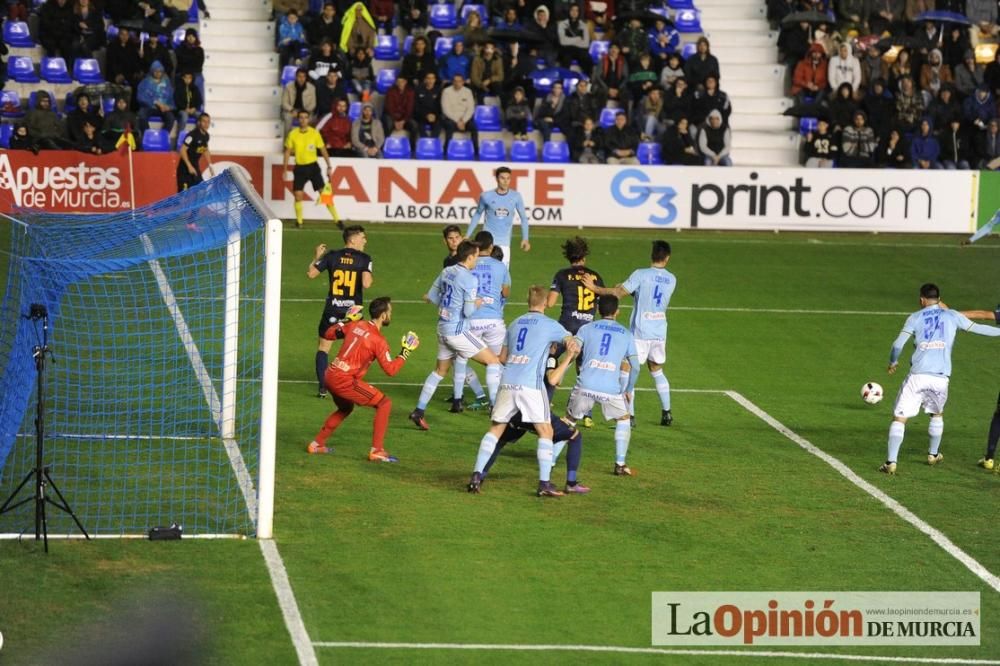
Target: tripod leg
x,y
40,515
65,505
5,508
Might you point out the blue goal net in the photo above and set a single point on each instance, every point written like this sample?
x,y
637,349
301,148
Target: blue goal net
x,y
152,394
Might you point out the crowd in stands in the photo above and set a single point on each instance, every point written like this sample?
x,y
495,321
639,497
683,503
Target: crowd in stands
x,y
879,86
147,76
634,87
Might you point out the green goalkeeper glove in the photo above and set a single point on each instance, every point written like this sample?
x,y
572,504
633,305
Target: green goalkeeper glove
x,y
354,313
409,342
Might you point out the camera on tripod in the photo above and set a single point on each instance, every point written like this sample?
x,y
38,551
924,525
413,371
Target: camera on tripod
x,y
38,311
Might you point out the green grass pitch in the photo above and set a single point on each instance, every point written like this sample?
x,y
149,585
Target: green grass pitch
x,y
795,323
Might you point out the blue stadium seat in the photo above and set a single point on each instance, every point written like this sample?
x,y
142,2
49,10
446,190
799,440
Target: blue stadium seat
x,y
111,32
177,37
22,69
87,70
10,104
598,48
443,16
607,118
555,151
193,13
180,136
108,103
544,78
649,152
17,34
288,75
687,20
487,118
407,44
461,149
69,104
491,150
384,79
807,125
523,151
689,50
680,4
479,9
442,46
573,78
396,147
387,47
429,148
661,11
54,71
354,111
5,132
156,141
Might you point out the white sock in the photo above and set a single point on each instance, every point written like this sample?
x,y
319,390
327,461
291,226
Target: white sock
x,y
557,449
623,431
896,431
545,459
473,381
460,370
662,388
493,372
934,432
486,448
427,392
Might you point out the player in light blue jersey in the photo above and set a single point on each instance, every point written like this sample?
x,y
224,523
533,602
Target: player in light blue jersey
x,y
499,206
522,388
651,289
455,292
608,348
934,329
988,461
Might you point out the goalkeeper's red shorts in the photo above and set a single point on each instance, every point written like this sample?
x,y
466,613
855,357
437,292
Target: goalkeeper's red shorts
x,y
350,389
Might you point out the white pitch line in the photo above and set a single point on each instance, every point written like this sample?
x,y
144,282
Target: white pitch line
x,y
286,600
940,539
769,654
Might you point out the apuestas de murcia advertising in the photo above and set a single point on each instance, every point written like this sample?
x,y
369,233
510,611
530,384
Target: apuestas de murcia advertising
x,y
80,186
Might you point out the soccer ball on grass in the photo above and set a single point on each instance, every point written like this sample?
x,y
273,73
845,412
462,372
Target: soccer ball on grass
x,y
871,393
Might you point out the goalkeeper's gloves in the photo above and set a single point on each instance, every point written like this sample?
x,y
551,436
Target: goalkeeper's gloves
x,y
409,342
354,313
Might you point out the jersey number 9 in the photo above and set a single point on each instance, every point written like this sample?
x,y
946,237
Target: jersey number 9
x,y
605,344
521,337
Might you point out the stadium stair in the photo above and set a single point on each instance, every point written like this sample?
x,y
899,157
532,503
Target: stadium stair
x,y
241,91
747,51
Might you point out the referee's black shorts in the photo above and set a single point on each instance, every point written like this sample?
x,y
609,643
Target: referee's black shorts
x,y
307,173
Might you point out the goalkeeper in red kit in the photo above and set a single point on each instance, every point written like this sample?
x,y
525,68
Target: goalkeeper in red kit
x,y
363,343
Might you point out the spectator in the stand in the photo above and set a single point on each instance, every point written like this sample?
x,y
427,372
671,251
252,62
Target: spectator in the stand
x,y
291,38
83,112
821,146
886,15
120,119
794,42
599,15
327,57
663,41
418,61
842,108
330,89
853,15
413,15
956,150
610,77
90,140
968,75
934,73
901,68
586,143
358,31
988,146
924,148
678,144
367,135
583,104
642,78
871,64
517,113
335,128
473,33
456,62
544,30
153,50
325,27
282,7
175,13
944,107
187,99
710,98
574,40
44,126
703,63
88,29
486,72
362,74
880,105
984,33
21,139
190,55
634,41
809,78
909,106
299,94
893,151
954,46
55,29
672,70
822,36
427,106
458,104
383,12
978,108
991,75
678,102
621,141
553,112
715,140
156,97
858,143
398,114
844,68
981,11
650,110
509,21
927,36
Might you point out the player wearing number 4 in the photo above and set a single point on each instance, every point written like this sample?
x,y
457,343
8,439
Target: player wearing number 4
x,y
651,288
499,205
305,141
934,329
363,343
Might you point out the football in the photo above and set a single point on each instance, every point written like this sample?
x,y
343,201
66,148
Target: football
x,y
871,393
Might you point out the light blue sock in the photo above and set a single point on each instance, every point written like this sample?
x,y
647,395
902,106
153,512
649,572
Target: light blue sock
x,y
557,448
473,381
623,431
934,431
493,372
427,392
460,369
631,403
896,431
662,388
545,460
486,447
986,229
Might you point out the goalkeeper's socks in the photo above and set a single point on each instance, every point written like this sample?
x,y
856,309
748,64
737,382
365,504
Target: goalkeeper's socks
x,y
382,410
662,388
934,432
330,425
485,457
298,213
545,461
427,392
573,455
493,372
461,365
322,360
896,432
623,432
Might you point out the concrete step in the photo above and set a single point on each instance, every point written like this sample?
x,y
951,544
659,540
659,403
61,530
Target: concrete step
x,y
762,55
263,110
772,87
239,13
755,157
710,13
223,93
242,60
768,123
233,76
242,43
220,28
737,38
737,71
752,24
761,105
240,145
238,126
769,140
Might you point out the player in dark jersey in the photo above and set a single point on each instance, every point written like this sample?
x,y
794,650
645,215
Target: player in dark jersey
x,y
350,273
195,145
452,237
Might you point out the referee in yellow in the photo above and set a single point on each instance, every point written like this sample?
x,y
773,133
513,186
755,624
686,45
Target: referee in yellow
x,y
305,141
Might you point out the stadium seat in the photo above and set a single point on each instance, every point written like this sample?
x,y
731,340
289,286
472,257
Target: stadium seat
x,y
354,111
177,37
544,78
156,141
487,118
180,136
689,50
491,150
523,151
87,70
5,132
10,105
193,13
569,82
687,20
680,4
384,79
69,103
18,35
407,44
649,152
387,47
22,69
443,16
555,151
111,32
461,149
661,11
108,103
598,48
607,118
396,147
807,125
429,148
479,9
54,71
442,46
288,75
